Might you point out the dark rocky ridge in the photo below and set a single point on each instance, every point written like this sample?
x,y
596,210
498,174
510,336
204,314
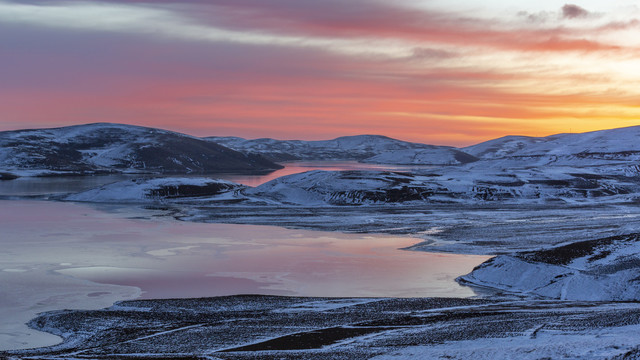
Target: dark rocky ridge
x,y
104,148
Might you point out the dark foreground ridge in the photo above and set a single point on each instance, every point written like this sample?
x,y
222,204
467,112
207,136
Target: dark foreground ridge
x,y
269,327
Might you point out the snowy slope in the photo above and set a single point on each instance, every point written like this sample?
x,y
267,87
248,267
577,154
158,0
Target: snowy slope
x,y
443,185
343,188
584,149
438,155
339,188
103,147
596,270
503,147
368,148
158,189
323,328
276,150
554,184
605,145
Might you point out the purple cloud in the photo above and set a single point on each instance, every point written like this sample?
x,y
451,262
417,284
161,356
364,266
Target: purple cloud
x,y
570,11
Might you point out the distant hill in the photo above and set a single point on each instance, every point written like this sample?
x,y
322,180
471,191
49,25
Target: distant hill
x,y
607,145
104,148
365,148
116,148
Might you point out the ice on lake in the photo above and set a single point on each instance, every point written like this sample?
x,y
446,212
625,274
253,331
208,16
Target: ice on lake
x,y
64,255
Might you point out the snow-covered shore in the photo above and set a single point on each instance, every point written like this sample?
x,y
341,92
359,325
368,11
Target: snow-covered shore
x,y
593,270
249,327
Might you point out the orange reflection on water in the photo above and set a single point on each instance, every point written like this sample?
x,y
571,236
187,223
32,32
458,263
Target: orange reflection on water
x,y
169,258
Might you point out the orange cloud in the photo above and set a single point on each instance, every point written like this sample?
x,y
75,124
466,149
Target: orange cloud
x,y
446,78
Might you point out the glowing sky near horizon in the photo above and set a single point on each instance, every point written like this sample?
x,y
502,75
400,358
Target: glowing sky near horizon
x,y
452,72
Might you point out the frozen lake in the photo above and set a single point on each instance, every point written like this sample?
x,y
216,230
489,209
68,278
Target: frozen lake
x,y
78,256
65,255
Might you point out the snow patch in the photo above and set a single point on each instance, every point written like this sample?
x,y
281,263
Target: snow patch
x,y
156,189
594,270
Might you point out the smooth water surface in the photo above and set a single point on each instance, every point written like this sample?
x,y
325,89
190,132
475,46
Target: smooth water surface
x,y
302,166
64,255
47,186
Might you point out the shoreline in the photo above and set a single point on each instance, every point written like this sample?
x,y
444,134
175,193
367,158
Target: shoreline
x,y
483,227
85,266
274,327
24,300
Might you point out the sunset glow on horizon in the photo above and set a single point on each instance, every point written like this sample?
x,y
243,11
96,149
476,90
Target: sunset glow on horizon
x,y
433,71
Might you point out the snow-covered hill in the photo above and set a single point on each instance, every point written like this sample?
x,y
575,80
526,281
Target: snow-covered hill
x,y
445,185
437,155
103,147
344,188
601,270
366,148
442,185
158,189
593,148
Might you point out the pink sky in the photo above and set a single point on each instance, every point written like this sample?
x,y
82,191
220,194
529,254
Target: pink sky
x,y
441,72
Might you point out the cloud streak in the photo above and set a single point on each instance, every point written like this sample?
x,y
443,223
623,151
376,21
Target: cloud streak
x,y
328,24
311,69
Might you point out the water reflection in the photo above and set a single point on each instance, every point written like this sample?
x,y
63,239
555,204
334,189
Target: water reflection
x,y
169,258
65,255
39,186
164,257
302,166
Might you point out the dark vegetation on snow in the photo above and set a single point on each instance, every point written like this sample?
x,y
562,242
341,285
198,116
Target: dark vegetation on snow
x,y
179,191
78,149
565,254
7,176
270,327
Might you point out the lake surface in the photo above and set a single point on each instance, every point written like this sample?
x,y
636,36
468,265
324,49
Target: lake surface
x,y
65,255
302,166
60,255
47,186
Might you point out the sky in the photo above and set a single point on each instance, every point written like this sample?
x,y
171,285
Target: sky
x,y
446,72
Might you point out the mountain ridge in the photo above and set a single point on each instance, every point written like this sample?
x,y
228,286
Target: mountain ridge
x,y
117,148
588,144
105,147
365,148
